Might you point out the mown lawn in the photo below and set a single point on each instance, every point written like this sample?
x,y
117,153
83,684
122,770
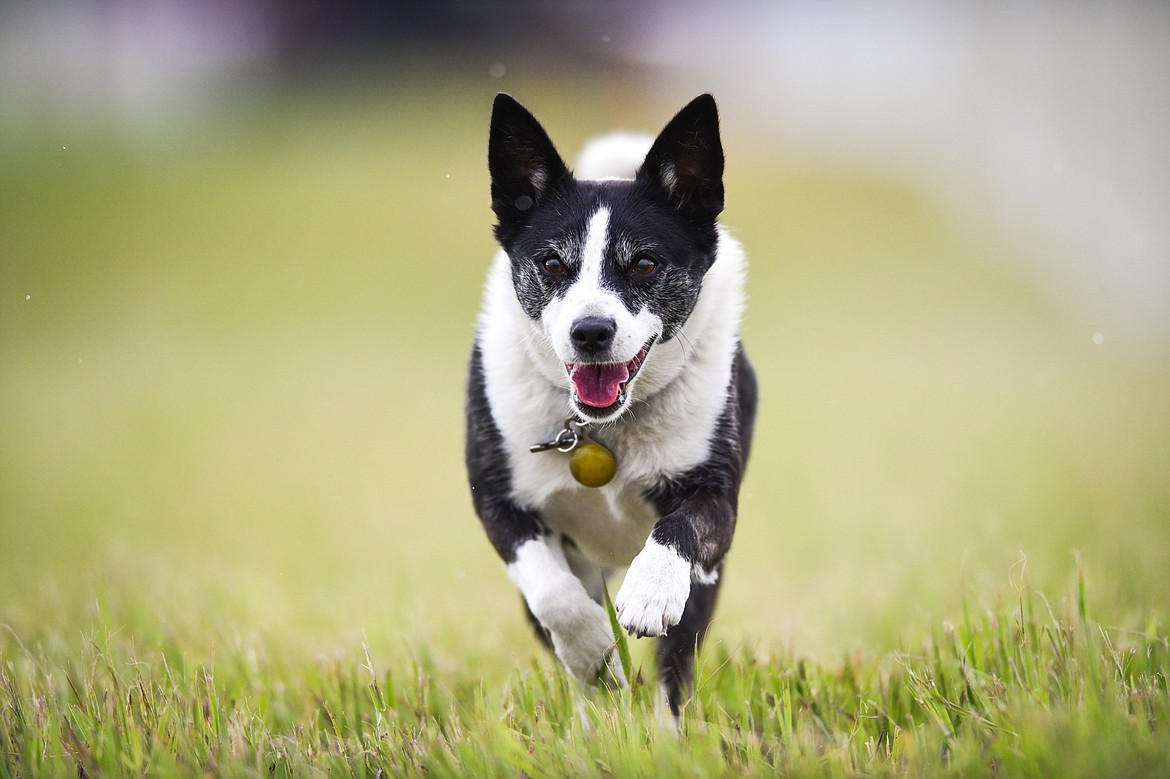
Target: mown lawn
x,y
235,537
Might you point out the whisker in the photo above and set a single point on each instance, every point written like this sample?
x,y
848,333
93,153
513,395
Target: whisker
x,y
685,343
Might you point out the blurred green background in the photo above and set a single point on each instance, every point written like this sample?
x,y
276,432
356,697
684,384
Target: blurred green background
x,y
236,305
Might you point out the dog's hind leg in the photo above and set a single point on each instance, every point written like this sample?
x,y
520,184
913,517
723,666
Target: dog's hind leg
x,y
676,649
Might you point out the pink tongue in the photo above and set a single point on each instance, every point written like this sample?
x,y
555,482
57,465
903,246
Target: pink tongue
x,y
599,385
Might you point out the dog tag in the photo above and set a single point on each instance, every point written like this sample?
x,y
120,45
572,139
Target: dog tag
x,y
592,464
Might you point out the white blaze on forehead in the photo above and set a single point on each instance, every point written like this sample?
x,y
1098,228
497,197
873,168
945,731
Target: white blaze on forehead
x,y
593,252
589,296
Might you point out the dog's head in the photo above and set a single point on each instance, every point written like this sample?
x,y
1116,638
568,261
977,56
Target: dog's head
x,y
607,269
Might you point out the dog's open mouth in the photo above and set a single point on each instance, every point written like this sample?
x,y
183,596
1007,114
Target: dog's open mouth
x,y
602,385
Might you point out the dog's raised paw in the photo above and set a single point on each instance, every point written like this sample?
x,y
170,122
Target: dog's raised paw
x,y
654,592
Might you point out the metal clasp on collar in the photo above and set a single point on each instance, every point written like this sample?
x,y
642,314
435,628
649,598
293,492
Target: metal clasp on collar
x,y
566,440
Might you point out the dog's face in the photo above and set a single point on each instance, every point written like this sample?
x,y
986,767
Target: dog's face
x,y
607,269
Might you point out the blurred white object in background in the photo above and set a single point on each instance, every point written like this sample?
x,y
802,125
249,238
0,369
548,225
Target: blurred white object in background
x,y
1045,122
77,65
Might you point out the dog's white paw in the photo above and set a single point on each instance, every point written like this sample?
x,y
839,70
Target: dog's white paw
x,y
579,627
654,592
585,643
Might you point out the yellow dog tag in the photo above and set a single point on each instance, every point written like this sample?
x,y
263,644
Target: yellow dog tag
x,y
592,464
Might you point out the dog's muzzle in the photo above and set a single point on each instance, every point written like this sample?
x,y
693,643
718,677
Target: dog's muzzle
x,y
600,388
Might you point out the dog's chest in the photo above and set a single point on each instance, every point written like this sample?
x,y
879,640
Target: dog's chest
x,y
609,526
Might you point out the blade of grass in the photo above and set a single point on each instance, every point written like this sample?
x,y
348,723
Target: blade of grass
x,y
619,636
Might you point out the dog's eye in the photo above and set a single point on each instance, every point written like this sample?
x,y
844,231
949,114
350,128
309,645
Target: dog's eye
x,y
553,265
644,265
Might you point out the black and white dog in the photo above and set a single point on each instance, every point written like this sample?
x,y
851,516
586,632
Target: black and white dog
x,y
610,322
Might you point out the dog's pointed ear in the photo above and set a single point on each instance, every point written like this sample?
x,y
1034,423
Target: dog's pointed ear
x,y
686,161
522,161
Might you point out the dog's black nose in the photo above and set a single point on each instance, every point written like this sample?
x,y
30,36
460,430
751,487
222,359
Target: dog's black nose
x,y
593,334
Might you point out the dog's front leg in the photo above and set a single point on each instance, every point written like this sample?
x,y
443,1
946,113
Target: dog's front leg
x,y
655,590
535,558
579,627
687,544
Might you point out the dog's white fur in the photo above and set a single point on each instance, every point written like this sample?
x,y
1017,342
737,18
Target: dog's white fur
x,y
688,378
578,625
655,590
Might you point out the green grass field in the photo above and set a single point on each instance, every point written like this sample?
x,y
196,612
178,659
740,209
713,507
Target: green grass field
x,y
235,536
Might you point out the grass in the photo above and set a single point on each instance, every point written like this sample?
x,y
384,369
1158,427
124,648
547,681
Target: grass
x,y
1030,688
233,533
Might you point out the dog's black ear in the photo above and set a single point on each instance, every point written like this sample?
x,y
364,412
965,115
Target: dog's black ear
x,y
686,161
521,159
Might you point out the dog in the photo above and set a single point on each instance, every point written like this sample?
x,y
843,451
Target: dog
x,y
610,404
